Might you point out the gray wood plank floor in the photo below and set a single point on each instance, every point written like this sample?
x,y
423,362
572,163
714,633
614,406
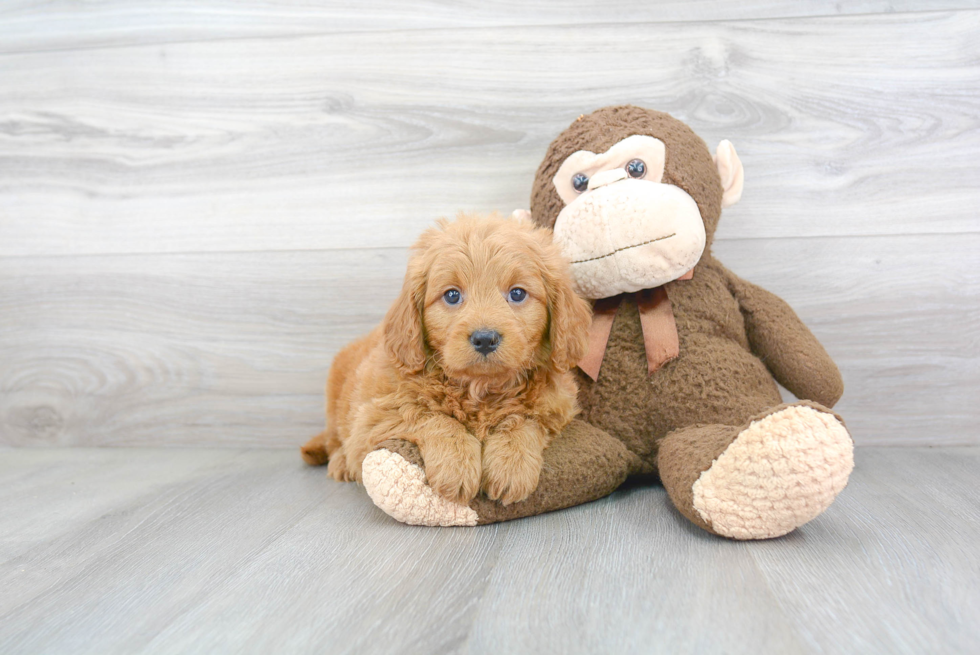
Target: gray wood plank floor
x,y
213,551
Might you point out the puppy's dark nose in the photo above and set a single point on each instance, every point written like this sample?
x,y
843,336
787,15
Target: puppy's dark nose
x,y
485,341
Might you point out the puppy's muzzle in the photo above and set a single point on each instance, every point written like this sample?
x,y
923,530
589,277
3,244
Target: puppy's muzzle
x,y
485,341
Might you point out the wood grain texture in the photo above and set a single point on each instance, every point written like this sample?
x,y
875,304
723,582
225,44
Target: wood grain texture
x,y
908,518
30,25
852,125
172,349
196,551
200,203
233,349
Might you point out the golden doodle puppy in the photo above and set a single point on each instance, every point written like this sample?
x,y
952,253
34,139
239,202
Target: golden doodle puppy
x,y
471,363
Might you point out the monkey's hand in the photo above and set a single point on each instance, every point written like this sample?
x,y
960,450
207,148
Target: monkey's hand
x,y
786,346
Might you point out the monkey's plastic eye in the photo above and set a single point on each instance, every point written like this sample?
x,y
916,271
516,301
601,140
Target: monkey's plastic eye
x,y
452,296
580,182
518,294
636,168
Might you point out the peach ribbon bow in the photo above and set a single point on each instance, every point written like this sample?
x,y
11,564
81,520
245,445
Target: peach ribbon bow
x,y
656,320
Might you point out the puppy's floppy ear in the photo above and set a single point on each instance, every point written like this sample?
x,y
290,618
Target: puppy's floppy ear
x,y
404,331
569,316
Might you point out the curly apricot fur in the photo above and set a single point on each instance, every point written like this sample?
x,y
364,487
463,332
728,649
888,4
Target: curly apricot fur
x,y
480,421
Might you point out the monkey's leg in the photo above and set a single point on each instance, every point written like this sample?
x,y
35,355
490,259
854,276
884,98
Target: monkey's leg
x,y
580,465
760,480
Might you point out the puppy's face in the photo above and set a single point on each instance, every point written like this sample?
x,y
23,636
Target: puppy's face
x,y
485,310
493,298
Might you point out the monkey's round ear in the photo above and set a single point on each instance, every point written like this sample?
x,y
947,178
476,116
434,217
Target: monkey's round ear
x,y
521,216
730,171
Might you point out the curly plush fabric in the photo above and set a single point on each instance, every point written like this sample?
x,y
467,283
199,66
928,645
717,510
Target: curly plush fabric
x,y
779,473
581,465
398,487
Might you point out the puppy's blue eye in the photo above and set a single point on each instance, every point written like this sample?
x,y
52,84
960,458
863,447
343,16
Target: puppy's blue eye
x,y
452,297
518,294
636,168
580,182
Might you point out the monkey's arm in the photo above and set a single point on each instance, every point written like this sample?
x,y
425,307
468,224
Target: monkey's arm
x,y
786,346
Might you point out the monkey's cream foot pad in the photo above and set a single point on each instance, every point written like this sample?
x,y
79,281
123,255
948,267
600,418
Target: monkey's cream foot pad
x,y
400,489
780,472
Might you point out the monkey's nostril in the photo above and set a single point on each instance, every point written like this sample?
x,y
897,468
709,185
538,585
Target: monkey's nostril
x,y
485,341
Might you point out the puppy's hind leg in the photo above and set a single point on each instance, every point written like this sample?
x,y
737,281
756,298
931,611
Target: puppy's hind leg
x,y
324,449
314,451
317,451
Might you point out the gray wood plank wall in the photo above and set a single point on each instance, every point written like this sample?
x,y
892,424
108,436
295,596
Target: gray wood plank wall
x,y
201,202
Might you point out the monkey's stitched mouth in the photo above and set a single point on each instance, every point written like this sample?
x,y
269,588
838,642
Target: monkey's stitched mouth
x,y
636,245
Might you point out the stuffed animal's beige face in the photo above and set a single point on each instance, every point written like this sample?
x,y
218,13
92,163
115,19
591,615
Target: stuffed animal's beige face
x,y
634,206
622,228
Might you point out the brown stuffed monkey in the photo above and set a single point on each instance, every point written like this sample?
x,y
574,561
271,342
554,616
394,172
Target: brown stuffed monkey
x,y
680,379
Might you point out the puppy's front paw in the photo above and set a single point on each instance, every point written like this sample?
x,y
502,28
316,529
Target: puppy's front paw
x,y
510,474
454,472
